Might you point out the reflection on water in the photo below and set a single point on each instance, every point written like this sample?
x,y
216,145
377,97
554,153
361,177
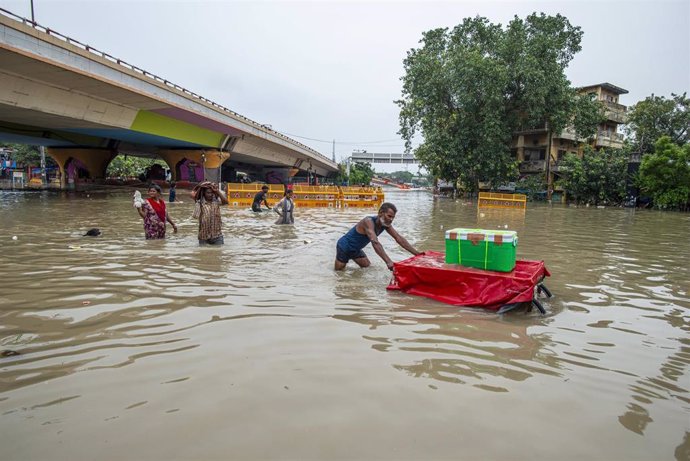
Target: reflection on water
x,y
115,331
458,347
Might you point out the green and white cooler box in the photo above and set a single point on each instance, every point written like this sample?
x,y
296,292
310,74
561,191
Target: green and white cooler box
x,y
482,249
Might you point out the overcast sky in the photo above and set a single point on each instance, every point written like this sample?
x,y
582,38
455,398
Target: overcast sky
x,y
322,70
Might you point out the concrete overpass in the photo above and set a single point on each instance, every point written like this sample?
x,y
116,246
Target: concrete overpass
x,y
373,157
87,106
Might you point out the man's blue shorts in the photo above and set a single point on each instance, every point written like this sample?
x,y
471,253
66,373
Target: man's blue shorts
x,y
344,256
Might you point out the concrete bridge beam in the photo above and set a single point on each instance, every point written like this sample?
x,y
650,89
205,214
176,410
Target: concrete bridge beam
x,y
209,159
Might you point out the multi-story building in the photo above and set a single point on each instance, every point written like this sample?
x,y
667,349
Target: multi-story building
x,y
532,148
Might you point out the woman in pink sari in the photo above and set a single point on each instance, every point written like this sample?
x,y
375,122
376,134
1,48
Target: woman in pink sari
x,y
154,214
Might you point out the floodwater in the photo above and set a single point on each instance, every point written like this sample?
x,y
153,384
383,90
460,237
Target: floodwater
x,y
160,350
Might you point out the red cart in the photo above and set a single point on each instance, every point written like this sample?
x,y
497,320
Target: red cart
x,y
428,275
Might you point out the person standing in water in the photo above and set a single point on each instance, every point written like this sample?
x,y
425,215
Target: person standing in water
x,y
154,213
207,210
172,193
285,207
260,197
367,230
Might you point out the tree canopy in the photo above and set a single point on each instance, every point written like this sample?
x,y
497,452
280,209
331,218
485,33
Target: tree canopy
x,y
128,166
360,173
401,176
469,89
657,116
665,174
26,155
599,177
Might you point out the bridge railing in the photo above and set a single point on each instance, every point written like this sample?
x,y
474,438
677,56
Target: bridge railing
x,y
145,73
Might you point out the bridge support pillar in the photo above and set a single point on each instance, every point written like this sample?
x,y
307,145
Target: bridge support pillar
x,y
184,164
86,165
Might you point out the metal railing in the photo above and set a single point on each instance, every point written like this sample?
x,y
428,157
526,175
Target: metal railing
x,y
532,165
614,105
132,67
616,137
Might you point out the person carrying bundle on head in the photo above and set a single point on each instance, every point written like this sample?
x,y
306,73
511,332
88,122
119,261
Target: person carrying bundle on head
x,y
208,199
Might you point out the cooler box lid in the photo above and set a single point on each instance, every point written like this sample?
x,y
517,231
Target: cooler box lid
x,y
479,235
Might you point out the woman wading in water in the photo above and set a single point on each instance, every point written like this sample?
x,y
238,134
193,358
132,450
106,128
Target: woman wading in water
x,y
153,212
207,210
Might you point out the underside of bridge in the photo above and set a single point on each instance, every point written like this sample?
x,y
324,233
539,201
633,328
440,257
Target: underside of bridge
x,y
87,108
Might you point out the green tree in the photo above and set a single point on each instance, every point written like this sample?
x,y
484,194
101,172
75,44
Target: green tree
x,y
341,176
657,116
467,90
533,186
128,166
599,177
360,173
26,155
401,176
588,114
665,174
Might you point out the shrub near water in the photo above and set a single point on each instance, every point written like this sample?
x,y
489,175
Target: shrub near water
x,y
665,174
598,178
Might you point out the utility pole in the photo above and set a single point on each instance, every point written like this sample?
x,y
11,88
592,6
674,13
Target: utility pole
x,y
32,12
549,183
334,150
43,166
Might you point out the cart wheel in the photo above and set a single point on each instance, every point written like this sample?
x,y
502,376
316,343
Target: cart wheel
x,y
536,302
541,288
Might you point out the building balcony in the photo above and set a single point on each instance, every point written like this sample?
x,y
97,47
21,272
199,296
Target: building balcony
x,y
616,116
606,139
615,106
569,133
532,166
532,131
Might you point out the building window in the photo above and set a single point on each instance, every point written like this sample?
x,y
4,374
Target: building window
x,y
535,154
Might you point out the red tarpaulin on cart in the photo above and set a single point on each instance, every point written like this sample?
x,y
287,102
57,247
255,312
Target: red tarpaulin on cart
x,y
428,275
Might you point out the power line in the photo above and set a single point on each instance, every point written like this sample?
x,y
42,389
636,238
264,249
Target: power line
x,y
330,141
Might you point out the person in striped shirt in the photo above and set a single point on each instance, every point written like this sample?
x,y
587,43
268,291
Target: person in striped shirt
x,y
208,200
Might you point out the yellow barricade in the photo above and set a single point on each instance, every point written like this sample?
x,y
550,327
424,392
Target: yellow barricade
x,y
242,195
496,200
361,197
316,196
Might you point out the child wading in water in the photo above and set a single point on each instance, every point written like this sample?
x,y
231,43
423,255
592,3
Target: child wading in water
x,y
285,207
207,210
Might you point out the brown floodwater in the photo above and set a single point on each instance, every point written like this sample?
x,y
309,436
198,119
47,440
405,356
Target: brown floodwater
x,y
160,350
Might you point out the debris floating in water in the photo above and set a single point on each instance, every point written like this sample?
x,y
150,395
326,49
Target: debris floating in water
x,y
14,237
